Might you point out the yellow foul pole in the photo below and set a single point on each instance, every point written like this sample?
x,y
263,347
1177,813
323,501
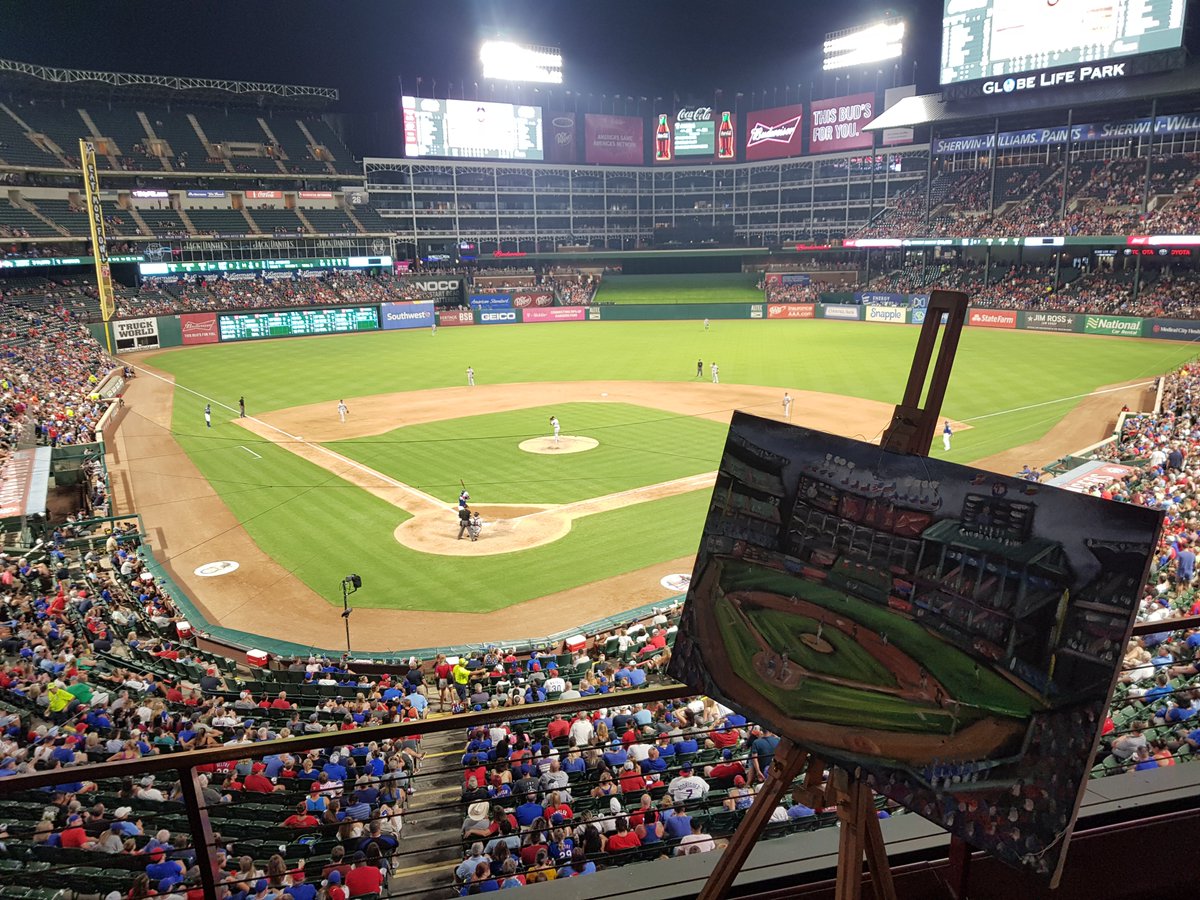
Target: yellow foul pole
x,y
91,188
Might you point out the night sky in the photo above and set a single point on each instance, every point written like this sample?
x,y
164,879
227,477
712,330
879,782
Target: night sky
x,y
634,48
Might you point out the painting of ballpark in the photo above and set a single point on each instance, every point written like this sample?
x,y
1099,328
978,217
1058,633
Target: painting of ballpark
x,y
953,632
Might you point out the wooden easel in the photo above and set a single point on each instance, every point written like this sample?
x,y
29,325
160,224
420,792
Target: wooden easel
x,y
911,431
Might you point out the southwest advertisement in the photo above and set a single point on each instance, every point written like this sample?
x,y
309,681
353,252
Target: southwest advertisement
x,y
198,328
407,315
838,124
613,140
774,133
555,314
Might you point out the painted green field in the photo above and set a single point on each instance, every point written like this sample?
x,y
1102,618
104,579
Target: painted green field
x,y
718,287
1014,385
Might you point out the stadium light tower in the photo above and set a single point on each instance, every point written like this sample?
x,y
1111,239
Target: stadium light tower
x,y
864,45
507,61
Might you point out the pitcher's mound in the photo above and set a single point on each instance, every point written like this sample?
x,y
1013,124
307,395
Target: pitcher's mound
x,y
567,443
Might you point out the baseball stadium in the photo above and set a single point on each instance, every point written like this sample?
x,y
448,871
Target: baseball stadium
x,y
358,450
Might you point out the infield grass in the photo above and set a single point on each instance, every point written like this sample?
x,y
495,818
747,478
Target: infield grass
x,y
484,450
322,527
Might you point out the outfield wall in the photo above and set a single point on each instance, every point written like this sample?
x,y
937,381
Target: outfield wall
x,y
155,332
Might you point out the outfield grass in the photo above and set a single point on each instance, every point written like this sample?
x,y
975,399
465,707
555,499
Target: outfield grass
x,y
484,450
317,524
717,287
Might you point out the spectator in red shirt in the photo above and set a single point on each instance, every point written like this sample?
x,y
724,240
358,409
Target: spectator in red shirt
x,y
363,878
301,819
281,702
558,727
624,839
257,782
725,771
74,835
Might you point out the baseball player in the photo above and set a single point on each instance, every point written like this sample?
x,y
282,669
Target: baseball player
x,y
463,498
946,433
706,324
699,368
554,425
342,410
470,376
787,405
716,373
242,407
208,415
475,527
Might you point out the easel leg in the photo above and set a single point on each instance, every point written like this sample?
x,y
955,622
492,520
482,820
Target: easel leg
x,y
789,760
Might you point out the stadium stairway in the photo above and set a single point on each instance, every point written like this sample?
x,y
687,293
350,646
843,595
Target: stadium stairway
x,y
33,211
432,831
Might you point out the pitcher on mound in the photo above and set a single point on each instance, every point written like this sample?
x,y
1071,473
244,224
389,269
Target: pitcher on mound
x,y
554,426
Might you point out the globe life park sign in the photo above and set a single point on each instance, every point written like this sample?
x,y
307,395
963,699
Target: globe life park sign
x,y
1081,74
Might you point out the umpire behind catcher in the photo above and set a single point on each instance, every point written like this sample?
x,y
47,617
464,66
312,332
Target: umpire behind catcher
x,y
464,520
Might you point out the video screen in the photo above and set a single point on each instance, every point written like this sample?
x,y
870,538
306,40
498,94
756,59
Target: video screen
x,y
471,129
987,38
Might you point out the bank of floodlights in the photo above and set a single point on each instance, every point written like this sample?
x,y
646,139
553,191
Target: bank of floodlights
x,y
506,61
864,45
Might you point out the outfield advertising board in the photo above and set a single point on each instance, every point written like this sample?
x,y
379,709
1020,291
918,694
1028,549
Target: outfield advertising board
x,y
897,315
497,316
838,124
614,140
199,328
538,298
1171,330
1049,321
135,334
917,317
992,318
881,297
407,315
555,314
491,301
791,310
1123,326
775,133
841,311
452,317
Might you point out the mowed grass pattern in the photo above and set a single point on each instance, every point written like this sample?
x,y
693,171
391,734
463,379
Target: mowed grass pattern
x,y
321,526
716,287
638,447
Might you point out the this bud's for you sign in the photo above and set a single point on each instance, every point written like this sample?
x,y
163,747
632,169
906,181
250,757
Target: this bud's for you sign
x,y
838,124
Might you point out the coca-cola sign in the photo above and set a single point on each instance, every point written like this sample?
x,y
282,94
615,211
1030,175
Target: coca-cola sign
x,y
774,133
694,114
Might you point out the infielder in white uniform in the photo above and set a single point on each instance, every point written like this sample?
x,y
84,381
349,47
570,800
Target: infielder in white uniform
x,y
787,405
716,373
554,425
342,410
470,376
946,432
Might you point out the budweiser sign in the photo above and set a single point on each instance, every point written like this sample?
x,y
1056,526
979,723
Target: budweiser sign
x,y
781,133
695,114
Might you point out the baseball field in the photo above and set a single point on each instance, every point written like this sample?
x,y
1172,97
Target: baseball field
x,y
299,499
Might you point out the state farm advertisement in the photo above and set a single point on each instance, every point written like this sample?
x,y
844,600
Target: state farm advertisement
x,y
791,311
199,328
838,124
774,133
456,317
992,318
614,140
555,314
560,138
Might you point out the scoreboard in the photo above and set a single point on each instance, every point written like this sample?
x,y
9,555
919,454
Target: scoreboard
x,y
297,322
